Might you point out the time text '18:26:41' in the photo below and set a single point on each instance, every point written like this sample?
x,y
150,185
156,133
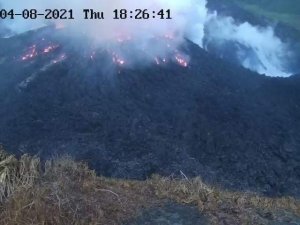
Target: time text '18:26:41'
x,y
142,14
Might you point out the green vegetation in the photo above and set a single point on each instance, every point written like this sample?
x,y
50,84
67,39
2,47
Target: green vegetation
x,y
67,192
280,6
285,11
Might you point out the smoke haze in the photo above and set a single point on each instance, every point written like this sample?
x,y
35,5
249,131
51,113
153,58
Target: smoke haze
x,y
258,47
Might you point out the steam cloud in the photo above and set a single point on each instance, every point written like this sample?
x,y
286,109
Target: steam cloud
x,y
255,48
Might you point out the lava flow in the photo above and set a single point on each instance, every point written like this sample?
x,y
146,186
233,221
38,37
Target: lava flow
x,y
59,59
160,61
117,59
31,53
50,48
34,51
125,51
181,60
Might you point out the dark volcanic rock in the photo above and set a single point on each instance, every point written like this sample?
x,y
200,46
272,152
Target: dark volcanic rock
x,y
170,214
176,214
213,119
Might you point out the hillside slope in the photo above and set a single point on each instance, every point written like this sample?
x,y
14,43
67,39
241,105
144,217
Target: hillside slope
x,y
67,192
222,122
287,12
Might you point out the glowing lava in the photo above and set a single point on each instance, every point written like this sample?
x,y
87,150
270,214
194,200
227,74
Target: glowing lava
x,y
32,52
124,52
160,61
59,59
50,48
117,59
181,60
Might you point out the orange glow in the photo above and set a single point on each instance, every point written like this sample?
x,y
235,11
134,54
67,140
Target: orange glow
x,y
181,61
50,48
32,52
59,59
117,59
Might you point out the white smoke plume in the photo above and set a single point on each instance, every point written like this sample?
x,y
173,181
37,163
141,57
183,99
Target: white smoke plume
x,y
183,13
258,48
191,19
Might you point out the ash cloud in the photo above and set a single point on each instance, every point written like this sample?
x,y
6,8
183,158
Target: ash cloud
x,y
256,48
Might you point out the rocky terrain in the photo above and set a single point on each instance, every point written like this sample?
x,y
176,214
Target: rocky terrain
x,y
233,127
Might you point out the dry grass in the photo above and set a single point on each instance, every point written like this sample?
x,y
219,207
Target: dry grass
x,y
16,173
220,205
67,192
